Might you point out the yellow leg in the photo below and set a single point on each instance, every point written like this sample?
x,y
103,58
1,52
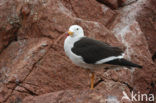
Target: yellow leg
x,y
92,80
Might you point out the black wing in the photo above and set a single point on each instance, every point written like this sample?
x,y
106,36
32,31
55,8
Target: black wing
x,y
123,62
92,50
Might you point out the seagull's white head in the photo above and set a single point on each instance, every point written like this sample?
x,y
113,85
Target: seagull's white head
x,y
75,31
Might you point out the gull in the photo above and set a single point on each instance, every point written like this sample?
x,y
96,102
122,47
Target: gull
x,y
91,54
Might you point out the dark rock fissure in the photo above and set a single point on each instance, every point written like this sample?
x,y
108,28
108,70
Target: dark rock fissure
x,y
29,91
16,26
33,67
15,38
106,3
122,82
98,82
120,3
18,83
10,94
130,87
154,56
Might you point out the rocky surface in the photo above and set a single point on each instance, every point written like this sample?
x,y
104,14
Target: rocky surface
x,y
34,68
147,21
83,96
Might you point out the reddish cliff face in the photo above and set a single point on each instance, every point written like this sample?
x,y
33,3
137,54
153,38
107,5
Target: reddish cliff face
x,y
34,68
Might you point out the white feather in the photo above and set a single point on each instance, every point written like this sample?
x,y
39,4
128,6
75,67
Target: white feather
x,y
109,59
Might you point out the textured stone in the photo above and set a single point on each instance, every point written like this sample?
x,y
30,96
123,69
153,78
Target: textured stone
x,y
18,61
113,94
147,21
10,23
35,63
34,68
129,32
59,15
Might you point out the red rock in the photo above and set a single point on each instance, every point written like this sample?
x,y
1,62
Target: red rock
x,y
91,10
130,33
10,23
29,66
18,61
33,63
147,21
113,95
59,15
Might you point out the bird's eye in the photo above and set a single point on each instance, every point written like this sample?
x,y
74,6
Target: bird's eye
x,y
77,29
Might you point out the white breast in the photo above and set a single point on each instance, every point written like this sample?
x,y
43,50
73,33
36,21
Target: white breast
x,y
68,45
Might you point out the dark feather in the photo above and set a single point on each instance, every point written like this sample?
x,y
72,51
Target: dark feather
x,y
123,62
92,50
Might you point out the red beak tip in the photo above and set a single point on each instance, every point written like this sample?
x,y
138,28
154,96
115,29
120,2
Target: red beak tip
x,y
66,33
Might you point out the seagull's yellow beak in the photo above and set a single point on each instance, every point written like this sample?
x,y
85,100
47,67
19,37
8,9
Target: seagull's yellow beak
x,y
69,33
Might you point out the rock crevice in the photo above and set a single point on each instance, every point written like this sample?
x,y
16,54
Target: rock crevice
x,y
35,69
